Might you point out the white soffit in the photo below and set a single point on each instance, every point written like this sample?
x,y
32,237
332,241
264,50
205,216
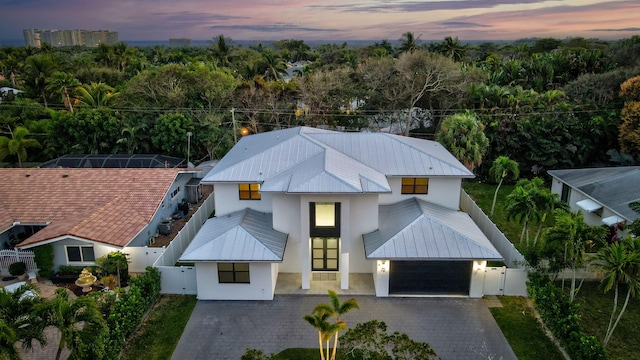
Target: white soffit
x,y
612,220
588,205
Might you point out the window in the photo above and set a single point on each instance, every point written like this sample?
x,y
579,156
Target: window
x,y
415,185
233,273
324,219
80,254
566,192
249,191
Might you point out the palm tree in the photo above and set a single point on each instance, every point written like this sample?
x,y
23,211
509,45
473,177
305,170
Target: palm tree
x,y
133,136
18,322
60,83
408,42
620,264
274,64
318,319
80,323
501,168
530,201
571,235
96,95
17,145
37,69
340,309
463,135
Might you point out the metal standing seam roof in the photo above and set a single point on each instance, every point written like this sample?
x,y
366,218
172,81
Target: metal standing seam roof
x,y
312,160
613,187
245,235
415,229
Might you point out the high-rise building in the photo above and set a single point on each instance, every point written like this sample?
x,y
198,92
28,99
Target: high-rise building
x,y
77,37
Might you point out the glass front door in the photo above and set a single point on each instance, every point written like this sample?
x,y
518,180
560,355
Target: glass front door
x,y
325,252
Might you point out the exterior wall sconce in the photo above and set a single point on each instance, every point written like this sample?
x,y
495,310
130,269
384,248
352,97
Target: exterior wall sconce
x,y
479,265
383,266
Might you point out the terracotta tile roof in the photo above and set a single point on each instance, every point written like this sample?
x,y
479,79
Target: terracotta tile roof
x,y
104,205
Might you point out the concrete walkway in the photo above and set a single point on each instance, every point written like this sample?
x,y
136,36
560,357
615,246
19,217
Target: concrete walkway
x,y
457,328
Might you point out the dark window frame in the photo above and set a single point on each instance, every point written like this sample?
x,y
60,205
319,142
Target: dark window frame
x,y
413,188
82,253
323,231
566,192
251,193
235,273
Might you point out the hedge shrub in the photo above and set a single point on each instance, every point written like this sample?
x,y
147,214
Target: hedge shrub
x,y
562,318
44,260
126,315
17,268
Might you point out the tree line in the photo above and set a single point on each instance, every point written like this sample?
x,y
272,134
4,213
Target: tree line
x,y
546,103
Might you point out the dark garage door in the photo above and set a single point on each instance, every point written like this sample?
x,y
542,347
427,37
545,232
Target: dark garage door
x,y
430,277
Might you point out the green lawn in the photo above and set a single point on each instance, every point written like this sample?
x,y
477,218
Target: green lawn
x,y
159,334
520,327
595,309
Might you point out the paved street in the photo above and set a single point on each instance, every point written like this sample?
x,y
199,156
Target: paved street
x,y
457,328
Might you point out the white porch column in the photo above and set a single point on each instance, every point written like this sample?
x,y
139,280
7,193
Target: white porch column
x,y
305,248
381,278
346,238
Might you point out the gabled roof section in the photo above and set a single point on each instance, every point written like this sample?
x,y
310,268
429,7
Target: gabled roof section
x,y
245,235
417,230
613,187
109,206
308,160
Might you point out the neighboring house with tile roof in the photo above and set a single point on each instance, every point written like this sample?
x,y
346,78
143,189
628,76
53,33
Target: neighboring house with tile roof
x,y
602,194
86,213
313,202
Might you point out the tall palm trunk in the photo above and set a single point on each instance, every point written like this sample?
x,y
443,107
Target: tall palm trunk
x,y
495,196
321,345
335,347
624,307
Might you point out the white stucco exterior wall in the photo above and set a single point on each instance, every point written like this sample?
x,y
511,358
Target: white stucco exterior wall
x,y
287,219
444,191
476,288
60,252
227,200
262,277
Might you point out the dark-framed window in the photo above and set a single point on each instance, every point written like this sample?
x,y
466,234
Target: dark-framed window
x,y
324,219
80,254
249,191
325,254
566,192
415,185
233,273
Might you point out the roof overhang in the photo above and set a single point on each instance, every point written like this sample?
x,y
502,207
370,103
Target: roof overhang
x,y
612,220
588,205
66,237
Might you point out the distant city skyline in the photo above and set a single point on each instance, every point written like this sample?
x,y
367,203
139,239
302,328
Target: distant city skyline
x,y
328,19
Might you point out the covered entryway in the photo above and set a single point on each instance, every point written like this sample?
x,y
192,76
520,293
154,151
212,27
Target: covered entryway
x,y
430,277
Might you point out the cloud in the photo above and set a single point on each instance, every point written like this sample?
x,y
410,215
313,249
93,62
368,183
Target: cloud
x,y
198,18
271,28
623,29
463,24
413,6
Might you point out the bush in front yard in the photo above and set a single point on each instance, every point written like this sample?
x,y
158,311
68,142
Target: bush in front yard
x,y
17,268
562,318
128,310
44,260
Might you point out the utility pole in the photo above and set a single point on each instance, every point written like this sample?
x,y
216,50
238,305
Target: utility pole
x,y
233,121
188,146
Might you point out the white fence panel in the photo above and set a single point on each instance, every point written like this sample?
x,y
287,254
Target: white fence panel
x,y
494,280
178,280
511,255
515,282
505,281
179,244
141,257
8,257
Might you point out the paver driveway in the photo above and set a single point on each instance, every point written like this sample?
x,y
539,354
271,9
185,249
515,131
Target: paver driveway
x,y
457,328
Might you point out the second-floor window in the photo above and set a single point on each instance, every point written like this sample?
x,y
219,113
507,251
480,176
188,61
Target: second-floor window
x,y
415,185
249,191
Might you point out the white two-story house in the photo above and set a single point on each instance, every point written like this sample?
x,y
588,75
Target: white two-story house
x,y
309,202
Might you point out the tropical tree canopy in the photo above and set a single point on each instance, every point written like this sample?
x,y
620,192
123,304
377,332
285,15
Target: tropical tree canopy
x,y
463,135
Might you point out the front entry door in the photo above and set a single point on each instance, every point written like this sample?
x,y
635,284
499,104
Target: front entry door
x,y
324,254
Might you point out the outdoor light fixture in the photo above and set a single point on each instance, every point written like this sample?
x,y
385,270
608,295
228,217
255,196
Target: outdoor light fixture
x,y
479,265
382,265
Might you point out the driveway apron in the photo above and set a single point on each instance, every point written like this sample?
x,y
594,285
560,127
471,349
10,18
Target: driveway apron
x,y
456,328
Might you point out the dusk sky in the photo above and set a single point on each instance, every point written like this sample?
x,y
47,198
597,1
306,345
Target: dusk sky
x,y
327,19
